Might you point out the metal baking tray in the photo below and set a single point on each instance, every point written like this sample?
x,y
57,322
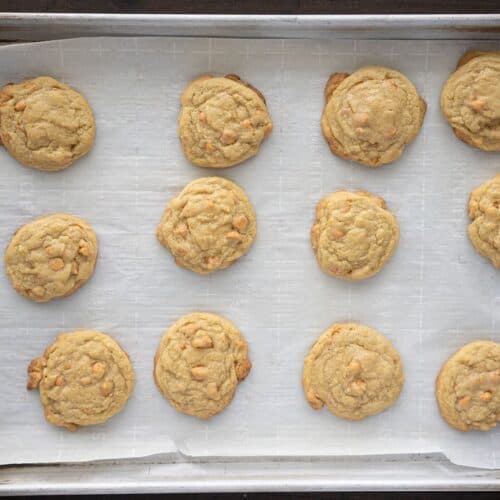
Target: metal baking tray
x,y
179,473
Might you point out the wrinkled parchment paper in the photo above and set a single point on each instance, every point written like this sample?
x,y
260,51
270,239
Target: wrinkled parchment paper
x,y
433,296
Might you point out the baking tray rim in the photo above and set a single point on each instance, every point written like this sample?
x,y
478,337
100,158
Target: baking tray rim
x,y
44,26
177,473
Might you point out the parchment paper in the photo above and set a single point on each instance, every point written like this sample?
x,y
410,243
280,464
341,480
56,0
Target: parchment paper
x,y
434,295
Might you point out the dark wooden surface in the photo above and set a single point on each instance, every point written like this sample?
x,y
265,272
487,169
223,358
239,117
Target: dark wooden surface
x,y
302,496
257,6
271,7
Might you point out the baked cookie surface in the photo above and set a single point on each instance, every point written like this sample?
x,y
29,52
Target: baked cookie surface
x,y
354,234
208,225
51,257
45,124
371,115
468,387
353,370
484,210
199,363
84,378
222,122
470,100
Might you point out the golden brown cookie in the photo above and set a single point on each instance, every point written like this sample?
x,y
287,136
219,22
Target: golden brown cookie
x,y
371,115
208,225
470,100
468,387
222,122
354,234
45,124
84,378
51,257
199,363
354,370
484,210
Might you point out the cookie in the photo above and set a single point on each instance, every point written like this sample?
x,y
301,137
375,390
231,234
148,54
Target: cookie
x,y
371,115
484,210
51,257
354,234
199,363
84,378
222,122
468,387
209,225
470,100
45,124
354,370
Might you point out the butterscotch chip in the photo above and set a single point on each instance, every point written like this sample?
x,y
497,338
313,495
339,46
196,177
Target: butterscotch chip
x,y
484,210
222,122
208,225
45,124
371,115
468,387
51,257
354,234
199,363
470,100
354,370
71,392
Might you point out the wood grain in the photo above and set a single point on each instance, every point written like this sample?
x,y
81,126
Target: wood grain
x,y
255,6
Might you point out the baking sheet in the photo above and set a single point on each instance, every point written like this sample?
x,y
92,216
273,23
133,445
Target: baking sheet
x,y
433,296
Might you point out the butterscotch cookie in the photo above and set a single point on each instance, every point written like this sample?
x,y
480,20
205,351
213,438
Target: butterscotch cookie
x,y
354,234
51,257
45,124
208,225
199,363
84,378
470,100
371,115
468,387
222,122
484,210
354,370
